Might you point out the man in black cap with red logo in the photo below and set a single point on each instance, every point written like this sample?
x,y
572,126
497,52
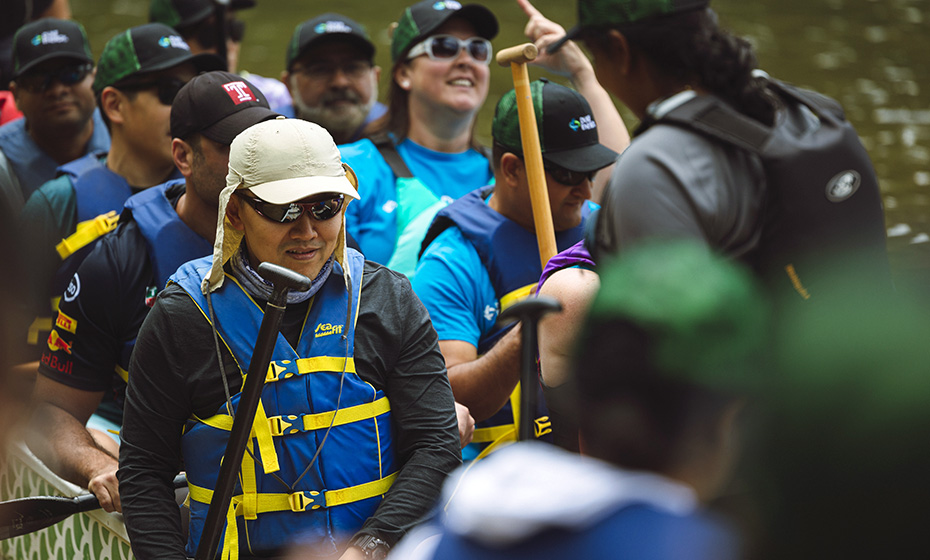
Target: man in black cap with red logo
x,y
111,293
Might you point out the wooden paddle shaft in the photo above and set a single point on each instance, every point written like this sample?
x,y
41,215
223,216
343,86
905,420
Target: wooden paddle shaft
x,y
532,152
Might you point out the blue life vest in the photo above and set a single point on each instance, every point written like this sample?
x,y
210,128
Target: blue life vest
x,y
32,166
285,488
510,254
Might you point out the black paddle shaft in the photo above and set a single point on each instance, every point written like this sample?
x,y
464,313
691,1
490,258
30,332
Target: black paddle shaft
x,y
283,280
529,312
25,515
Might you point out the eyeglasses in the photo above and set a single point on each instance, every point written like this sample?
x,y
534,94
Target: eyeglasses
x,y
38,82
353,70
320,210
167,88
446,47
566,176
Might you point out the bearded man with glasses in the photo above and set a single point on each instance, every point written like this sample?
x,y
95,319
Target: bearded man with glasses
x,y
332,76
52,76
83,368
356,429
139,72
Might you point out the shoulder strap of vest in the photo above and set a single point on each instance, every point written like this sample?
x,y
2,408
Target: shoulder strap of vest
x,y
388,151
80,166
820,104
444,221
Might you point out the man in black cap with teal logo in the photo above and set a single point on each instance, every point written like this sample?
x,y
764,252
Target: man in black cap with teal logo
x,y
52,75
83,369
481,255
332,76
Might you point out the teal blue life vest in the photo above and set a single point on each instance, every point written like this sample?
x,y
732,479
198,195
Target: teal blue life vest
x,y
286,487
510,254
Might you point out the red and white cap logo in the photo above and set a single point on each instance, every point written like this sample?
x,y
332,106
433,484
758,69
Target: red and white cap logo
x,y
239,92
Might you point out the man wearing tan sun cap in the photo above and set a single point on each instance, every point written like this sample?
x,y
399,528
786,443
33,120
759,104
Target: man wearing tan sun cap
x,y
358,342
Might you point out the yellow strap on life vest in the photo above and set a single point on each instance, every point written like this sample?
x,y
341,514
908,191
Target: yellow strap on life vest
x,y
519,294
492,433
281,425
296,502
294,423
122,373
86,233
249,485
311,365
261,430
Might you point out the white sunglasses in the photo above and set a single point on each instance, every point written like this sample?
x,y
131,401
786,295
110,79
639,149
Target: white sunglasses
x,y
447,47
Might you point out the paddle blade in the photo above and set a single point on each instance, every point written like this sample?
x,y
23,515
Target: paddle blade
x,y
25,515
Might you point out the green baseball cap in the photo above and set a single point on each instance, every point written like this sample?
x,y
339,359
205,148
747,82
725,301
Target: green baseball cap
x,y
423,18
147,48
567,130
606,13
704,318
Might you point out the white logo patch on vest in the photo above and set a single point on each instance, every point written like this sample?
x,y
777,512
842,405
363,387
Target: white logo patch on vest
x,y
490,311
239,92
74,288
389,206
843,185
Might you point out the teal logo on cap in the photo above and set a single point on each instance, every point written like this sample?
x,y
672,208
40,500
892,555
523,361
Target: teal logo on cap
x,y
52,37
332,27
583,123
173,41
447,5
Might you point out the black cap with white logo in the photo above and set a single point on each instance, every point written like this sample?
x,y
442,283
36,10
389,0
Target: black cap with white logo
x,y
46,39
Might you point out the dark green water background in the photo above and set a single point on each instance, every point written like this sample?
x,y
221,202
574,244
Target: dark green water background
x,y
872,55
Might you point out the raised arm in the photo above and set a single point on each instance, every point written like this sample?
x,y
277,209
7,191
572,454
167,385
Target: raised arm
x,y
571,62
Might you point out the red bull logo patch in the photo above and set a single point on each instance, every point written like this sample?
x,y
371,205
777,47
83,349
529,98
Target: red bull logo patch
x,y
56,343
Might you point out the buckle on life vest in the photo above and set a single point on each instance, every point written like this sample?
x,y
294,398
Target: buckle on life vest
x,y
542,426
278,425
298,501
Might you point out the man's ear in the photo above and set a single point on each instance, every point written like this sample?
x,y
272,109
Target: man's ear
x,y
183,155
286,78
233,208
620,51
377,71
112,102
512,170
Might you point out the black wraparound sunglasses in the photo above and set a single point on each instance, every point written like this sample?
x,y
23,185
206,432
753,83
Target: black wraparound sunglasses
x,y
320,209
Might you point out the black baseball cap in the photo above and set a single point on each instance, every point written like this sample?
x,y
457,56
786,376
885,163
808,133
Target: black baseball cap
x,y
606,13
184,13
567,130
46,39
218,105
147,48
324,28
423,18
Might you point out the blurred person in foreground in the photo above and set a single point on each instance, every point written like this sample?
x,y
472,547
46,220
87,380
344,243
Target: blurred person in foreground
x,y
357,346
661,371
838,466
